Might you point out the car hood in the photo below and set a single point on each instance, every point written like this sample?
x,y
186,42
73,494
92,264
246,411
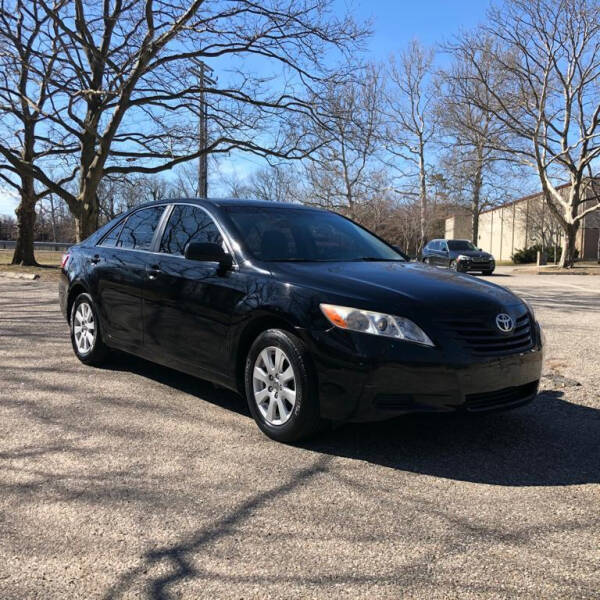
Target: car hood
x,y
396,285
471,253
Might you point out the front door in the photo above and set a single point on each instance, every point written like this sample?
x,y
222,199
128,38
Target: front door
x,y
188,304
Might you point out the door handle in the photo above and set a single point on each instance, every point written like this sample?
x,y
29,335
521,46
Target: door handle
x,y
95,259
153,271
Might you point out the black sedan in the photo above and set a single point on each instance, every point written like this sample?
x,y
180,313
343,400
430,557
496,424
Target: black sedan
x,y
458,255
307,314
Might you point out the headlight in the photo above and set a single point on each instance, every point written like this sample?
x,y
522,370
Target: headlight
x,y
463,257
375,323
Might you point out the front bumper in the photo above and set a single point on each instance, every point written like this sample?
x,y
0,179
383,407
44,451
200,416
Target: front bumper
x,y
469,265
403,378
504,383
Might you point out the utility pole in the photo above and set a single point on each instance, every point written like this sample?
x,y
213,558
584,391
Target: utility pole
x,y
203,73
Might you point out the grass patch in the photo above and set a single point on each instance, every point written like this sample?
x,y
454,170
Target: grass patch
x,y
49,261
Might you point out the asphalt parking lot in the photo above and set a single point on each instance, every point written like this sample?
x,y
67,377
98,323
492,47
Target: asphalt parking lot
x,y
136,481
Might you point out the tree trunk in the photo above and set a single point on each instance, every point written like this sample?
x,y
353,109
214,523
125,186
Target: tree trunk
x,y
25,212
567,259
86,222
476,200
422,198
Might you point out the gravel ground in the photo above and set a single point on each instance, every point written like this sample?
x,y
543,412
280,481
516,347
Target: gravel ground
x,y
136,481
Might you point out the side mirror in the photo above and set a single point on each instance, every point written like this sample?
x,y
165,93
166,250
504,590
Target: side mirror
x,y
209,253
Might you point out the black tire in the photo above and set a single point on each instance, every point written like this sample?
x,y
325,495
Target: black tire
x,y
98,351
487,272
305,419
426,260
453,266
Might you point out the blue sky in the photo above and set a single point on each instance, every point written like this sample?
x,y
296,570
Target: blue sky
x,y
394,23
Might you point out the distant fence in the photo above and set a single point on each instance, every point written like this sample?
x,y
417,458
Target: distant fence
x,y
56,246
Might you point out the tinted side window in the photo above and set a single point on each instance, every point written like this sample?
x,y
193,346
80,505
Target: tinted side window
x,y
139,228
188,224
110,239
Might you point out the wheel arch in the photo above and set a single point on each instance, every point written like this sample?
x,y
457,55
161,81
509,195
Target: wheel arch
x,y
252,329
76,288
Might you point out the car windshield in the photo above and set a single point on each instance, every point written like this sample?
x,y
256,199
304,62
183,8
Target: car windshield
x,y
460,245
302,235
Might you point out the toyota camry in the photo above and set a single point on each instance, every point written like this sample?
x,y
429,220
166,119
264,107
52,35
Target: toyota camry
x,y
309,315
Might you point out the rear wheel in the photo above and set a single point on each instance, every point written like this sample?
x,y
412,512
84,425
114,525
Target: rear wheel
x,y
85,332
281,387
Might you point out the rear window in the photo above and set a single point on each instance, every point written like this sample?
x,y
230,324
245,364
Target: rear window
x,y
138,231
110,239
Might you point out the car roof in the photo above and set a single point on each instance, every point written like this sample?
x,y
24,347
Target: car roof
x,y
224,202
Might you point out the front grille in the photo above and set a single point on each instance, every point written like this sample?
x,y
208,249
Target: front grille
x,y
482,338
500,398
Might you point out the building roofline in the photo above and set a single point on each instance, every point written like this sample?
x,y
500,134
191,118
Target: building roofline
x,y
531,196
522,199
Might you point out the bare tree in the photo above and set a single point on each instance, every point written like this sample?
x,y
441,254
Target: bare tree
x,y
411,120
547,53
347,136
130,100
476,170
121,193
28,56
277,183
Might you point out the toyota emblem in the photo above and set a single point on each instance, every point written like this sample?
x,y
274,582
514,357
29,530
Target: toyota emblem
x,y
505,323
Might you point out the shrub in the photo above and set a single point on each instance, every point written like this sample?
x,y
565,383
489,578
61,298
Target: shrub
x,y
526,255
529,255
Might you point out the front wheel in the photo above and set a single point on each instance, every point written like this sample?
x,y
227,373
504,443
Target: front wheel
x,y
281,387
487,272
85,332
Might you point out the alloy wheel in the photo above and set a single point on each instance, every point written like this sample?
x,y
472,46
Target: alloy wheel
x,y
84,328
274,385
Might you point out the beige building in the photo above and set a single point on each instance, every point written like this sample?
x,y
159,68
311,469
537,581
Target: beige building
x,y
523,223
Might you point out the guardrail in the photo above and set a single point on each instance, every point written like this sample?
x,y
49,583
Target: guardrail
x,y
56,246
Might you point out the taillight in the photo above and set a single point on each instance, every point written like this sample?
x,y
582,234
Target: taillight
x,y
64,261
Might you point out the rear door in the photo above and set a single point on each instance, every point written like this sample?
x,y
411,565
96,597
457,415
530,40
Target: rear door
x,y
444,254
188,304
119,272
434,253
428,254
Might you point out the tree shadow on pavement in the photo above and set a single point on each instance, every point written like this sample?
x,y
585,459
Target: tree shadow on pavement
x,y
549,442
180,558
